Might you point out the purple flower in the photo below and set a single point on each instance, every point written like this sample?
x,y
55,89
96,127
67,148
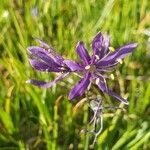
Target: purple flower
x,y
94,67
45,59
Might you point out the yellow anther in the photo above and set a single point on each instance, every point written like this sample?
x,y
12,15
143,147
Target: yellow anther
x,y
97,57
62,68
112,76
87,67
120,61
97,81
46,70
90,68
111,49
28,81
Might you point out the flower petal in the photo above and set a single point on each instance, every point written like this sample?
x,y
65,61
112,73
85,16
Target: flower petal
x,y
48,57
74,66
100,46
97,43
82,52
121,52
42,66
50,50
104,64
80,87
112,58
102,85
118,97
43,84
105,46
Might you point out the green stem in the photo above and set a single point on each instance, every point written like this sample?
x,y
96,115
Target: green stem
x,y
87,134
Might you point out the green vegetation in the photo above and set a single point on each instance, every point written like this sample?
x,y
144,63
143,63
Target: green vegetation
x,y
33,118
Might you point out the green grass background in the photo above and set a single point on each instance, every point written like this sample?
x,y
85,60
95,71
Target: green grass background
x,y
33,118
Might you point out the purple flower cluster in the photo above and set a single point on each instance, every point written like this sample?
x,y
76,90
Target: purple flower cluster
x,y
93,68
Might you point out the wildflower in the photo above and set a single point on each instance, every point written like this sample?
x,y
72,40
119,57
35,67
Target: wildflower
x,y
45,59
94,67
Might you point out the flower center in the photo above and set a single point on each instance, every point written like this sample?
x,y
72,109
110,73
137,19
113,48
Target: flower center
x,y
90,68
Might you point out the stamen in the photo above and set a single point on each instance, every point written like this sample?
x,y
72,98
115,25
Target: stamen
x,y
87,67
90,68
46,70
111,49
97,57
62,68
49,50
120,61
28,81
89,86
97,81
112,76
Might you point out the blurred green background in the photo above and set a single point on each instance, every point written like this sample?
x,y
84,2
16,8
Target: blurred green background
x,y
33,118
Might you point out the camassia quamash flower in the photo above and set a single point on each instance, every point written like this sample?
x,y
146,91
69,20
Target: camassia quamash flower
x,y
96,66
45,59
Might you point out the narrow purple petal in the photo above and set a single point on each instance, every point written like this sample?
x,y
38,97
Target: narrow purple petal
x,y
74,66
105,46
118,97
41,53
104,64
42,66
103,87
121,52
43,84
56,57
48,57
80,87
112,58
82,52
97,43
100,46
102,83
